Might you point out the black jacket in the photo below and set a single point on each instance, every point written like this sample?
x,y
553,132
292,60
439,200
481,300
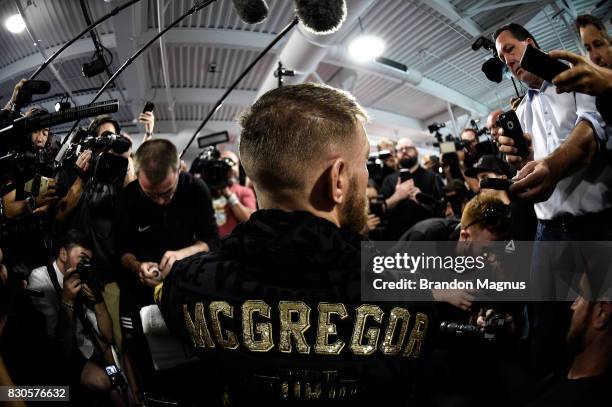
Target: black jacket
x,y
276,313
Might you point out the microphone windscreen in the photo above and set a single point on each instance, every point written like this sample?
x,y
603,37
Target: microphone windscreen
x,y
321,16
251,11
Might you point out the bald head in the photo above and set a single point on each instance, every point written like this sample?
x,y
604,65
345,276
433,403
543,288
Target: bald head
x,y
405,142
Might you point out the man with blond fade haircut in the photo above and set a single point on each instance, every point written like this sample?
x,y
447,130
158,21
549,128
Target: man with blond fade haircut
x,y
276,313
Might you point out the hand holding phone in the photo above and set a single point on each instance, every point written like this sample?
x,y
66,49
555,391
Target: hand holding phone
x,y
541,64
509,122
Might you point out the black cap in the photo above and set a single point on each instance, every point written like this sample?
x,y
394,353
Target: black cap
x,y
489,163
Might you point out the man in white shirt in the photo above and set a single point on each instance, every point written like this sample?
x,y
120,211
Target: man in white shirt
x,y
66,303
567,172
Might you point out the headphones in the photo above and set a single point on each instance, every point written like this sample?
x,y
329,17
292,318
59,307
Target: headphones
x,y
497,215
100,120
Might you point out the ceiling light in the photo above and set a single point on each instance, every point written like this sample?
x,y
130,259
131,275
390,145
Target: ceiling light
x,y
365,48
15,24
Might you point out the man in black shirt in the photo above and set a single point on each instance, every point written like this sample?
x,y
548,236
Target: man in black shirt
x,y
166,216
405,200
589,341
163,216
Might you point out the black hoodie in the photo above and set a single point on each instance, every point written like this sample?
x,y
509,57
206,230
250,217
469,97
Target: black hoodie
x,y
276,314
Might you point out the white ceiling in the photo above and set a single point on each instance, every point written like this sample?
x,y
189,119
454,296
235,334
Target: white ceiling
x,y
432,37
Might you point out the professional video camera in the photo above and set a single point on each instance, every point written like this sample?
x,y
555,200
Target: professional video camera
x,y
209,165
88,276
376,163
446,144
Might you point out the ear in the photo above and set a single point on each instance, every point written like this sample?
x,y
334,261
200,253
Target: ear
x,y
464,235
338,181
530,41
602,314
63,255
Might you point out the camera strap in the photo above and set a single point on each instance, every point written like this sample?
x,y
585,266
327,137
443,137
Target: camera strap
x,y
94,336
54,280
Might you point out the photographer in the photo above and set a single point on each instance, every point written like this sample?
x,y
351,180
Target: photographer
x,y
77,320
27,206
236,203
524,220
402,198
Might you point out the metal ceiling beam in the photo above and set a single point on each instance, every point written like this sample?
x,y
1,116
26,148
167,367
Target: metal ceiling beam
x,y
134,77
471,12
445,8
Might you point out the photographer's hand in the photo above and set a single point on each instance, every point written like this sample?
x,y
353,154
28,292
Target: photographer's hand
x,y
15,94
403,190
462,299
44,200
72,286
583,77
506,146
82,162
373,221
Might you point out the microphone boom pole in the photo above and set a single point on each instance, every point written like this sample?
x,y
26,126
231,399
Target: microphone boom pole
x,y
248,69
85,31
197,7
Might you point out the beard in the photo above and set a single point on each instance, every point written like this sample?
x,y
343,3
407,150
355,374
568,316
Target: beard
x,y
408,162
575,341
354,215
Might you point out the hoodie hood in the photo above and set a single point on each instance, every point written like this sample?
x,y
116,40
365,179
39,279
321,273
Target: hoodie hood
x,y
295,241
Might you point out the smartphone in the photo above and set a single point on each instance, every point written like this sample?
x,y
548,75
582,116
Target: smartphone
x,y
38,185
541,64
512,128
149,106
499,184
405,174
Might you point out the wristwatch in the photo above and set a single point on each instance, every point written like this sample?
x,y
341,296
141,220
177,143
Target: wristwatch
x,y
233,199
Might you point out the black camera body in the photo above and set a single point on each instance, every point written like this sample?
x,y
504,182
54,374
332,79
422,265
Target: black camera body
x,y
88,276
213,169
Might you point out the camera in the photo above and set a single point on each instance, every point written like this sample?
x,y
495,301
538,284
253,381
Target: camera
x,y
88,276
376,164
446,144
213,169
493,328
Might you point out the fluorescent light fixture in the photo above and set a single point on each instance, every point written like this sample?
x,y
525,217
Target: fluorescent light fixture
x,y
15,24
365,48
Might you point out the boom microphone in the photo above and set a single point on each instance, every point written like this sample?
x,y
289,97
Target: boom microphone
x,y
251,11
321,16
44,120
